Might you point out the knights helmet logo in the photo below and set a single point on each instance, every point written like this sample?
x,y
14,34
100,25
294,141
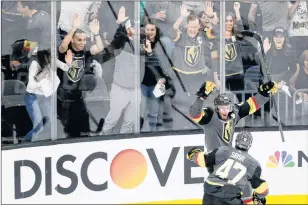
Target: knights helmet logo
x,y
230,52
192,55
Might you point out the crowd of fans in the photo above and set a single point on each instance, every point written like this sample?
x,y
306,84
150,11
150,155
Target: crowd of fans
x,y
102,85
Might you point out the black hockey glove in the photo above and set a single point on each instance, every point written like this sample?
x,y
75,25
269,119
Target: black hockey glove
x,y
205,89
191,153
258,200
268,88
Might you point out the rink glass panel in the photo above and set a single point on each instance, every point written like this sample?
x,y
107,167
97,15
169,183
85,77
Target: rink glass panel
x,y
82,112
25,117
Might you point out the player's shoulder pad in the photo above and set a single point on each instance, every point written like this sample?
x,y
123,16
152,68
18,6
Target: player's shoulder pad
x,y
213,152
253,161
225,149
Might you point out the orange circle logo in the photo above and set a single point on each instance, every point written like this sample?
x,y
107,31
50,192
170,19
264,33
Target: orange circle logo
x,y
128,169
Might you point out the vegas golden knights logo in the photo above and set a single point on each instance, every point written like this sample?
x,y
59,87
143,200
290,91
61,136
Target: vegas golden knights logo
x,y
192,55
230,52
227,131
75,72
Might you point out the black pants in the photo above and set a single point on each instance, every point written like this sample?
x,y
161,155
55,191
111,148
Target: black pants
x,y
74,117
236,83
212,200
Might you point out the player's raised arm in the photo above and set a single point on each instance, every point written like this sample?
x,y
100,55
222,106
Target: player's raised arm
x,y
200,158
196,111
260,187
255,102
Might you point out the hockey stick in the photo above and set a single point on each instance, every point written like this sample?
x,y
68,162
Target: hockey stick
x,y
185,116
98,124
265,70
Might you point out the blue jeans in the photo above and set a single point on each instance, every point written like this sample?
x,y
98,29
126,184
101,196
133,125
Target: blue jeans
x,y
152,105
37,106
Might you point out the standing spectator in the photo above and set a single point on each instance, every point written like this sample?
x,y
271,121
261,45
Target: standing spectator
x,y
209,21
86,10
164,15
154,74
37,97
279,56
234,71
298,28
38,25
71,107
189,55
274,14
123,89
14,25
244,11
107,18
280,60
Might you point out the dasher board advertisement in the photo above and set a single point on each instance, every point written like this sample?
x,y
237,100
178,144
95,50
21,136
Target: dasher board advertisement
x,y
148,169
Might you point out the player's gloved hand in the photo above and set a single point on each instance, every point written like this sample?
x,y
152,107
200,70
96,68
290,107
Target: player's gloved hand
x,y
268,88
205,89
258,200
191,153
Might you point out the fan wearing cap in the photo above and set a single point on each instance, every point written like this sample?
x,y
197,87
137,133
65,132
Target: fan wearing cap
x,y
279,35
279,56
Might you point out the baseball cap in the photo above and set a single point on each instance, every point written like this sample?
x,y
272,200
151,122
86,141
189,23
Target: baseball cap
x,y
279,31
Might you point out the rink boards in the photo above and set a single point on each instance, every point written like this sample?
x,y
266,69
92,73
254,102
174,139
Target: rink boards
x,y
143,170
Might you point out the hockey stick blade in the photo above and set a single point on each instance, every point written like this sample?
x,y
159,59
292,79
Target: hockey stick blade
x,y
98,124
265,70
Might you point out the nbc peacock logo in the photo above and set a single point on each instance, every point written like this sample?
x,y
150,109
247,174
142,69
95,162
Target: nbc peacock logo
x,y
280,159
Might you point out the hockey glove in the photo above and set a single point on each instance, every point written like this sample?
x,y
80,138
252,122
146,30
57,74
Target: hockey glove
x,y
268,88
205,89
258,200
190,154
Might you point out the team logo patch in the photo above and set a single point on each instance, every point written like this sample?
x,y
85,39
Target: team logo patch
x,y
227,132
192,55
75,72
230,52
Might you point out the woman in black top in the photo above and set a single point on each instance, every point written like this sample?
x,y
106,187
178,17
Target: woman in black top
x,y
154,74
279,56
